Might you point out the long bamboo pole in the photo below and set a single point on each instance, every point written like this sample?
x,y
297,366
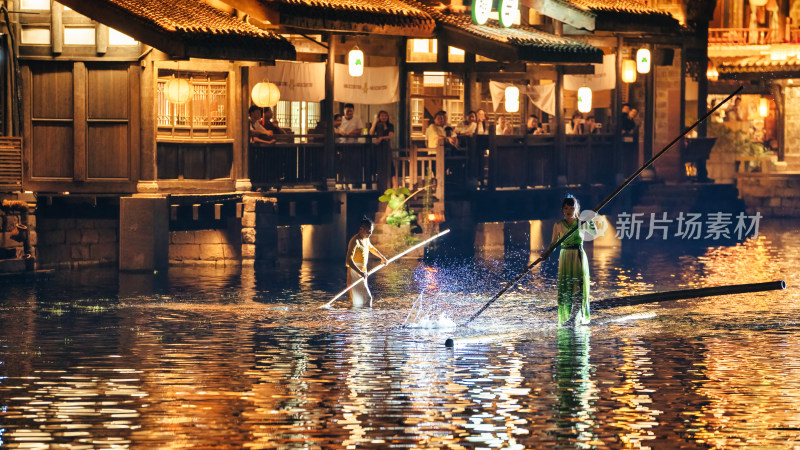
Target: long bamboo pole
x,y
601,205
688,293
379,267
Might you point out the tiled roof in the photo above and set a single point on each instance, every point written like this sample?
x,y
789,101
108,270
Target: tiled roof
x,y
611,12
193,22
757,64
531,44
388,16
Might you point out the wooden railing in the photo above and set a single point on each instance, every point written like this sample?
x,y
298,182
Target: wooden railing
x,y
751,36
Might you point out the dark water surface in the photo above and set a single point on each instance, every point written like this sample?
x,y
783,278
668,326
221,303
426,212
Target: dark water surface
x,y
244,358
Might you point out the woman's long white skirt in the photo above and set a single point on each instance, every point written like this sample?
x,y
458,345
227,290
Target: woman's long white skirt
x,y
360,294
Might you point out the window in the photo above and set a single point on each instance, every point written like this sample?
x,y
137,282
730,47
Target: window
x,y
202,116
301,117
427,90
79,36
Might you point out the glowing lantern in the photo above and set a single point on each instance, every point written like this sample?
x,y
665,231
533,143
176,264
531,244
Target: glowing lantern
x,y
512,99
178,91
265,94
584,99
711,72
481,9
763,107
355,60
629,71
508,12
643,60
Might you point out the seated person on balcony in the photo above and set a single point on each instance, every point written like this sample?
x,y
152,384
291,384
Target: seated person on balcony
x,y
469,126
590,126
503,128
533,126
270,123
258,134
382,130
351,124
436,135
575,125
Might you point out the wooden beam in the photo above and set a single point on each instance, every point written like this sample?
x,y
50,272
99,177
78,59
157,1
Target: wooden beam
x,y
56,27
563,13
101,38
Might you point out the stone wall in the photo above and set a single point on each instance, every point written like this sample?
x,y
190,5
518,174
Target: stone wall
x,y
12,254
74,243
770,194
791,126
214,247
258,219
667,124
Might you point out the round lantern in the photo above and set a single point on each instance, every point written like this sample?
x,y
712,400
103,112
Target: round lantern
x,y
643,60
584,99
508,12
355,60
265,94
512,99
763,107
481,9
178,90
629,71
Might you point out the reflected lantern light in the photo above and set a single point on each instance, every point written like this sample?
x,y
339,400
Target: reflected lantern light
x,y
512,99
178,91
265,94
711,73
584,99
629,71
643,60
355,62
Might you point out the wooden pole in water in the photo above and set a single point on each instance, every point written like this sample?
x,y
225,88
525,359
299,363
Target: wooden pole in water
x,y
684,294
375,269
601,205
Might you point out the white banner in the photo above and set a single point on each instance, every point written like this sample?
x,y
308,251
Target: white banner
x,y
604,78
542,96
297,81
378,85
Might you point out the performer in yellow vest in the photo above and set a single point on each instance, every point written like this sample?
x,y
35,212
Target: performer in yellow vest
x,y
358,251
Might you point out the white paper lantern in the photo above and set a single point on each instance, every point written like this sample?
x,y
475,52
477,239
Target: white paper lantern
x,y
178,91
481,9
508,12
512,99
763,107
584,99
643,60
629,71
355,60
265,94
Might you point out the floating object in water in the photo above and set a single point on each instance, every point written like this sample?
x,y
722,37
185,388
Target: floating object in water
x,y
628,318
394,258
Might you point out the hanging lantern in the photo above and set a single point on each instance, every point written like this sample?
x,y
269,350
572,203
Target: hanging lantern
x,y
512,99
711,72
355,61
508,12
178,91
643,60
481,9
629,71
763,107
584,99
265,94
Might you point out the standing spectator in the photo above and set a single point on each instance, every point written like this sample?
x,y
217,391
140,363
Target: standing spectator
x,y
382,130
575,125
590,126
482,124
503,128
469,126
627,124
351,124
270,123
436,134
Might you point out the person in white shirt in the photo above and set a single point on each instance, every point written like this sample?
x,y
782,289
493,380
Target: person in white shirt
x,y
503,128
351,124
436,135
258,134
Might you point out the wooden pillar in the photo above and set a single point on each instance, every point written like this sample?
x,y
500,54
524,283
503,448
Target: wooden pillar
x,y
649,108
329,161
79,75
682,119
147,156
561,140
241,159
101,39
702,79
404,117
56,27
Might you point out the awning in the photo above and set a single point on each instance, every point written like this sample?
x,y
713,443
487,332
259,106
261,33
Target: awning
x,y
184,29
758,67
606,15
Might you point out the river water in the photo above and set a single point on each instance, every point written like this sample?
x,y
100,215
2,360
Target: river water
x,y
245,358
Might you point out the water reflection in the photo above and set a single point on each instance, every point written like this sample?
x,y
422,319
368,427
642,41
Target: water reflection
x,y
243,357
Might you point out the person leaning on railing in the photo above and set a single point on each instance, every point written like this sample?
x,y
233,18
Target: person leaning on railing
x,y
436,136
382,130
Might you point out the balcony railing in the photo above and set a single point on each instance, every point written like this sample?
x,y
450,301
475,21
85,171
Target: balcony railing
x,y
751,36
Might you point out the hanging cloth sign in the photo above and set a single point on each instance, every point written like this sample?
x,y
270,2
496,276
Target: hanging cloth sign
x,y
296,81
604,78
377,86
542,96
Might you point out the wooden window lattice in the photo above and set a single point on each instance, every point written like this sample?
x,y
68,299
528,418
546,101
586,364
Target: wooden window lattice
x,y
204,116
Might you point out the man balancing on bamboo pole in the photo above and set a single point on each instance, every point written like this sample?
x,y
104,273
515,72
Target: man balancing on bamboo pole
x,y
358,250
